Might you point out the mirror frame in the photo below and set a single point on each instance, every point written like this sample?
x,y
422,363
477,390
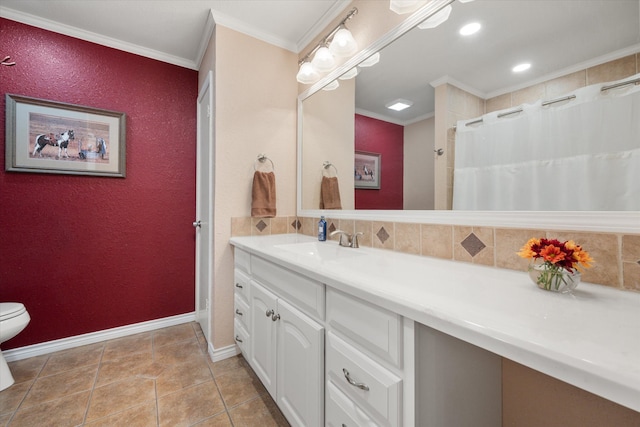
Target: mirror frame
x,y
600,221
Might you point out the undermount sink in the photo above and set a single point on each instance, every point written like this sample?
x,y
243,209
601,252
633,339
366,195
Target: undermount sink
x,y
322,251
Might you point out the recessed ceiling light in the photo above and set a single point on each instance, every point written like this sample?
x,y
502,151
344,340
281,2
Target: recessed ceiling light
x,y
521,67
469,29
399,104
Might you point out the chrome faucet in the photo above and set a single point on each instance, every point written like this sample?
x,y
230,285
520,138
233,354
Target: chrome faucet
x,y
347,240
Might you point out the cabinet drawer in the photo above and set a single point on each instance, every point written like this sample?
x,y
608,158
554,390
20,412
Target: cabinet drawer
x,y
302,292
384,394
377,330
241,312
343,412
242,260
241,285
241,337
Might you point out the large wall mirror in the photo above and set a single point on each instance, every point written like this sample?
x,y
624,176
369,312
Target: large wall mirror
x,y
449,78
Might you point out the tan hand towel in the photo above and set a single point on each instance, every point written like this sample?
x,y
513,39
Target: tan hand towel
x,y
263,195
330,193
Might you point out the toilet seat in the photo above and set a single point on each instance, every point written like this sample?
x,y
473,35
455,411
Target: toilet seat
x,y
9,310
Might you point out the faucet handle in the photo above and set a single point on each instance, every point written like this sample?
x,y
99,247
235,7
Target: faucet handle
x,y
354,239
345,239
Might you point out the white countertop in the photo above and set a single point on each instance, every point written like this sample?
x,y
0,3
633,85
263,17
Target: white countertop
x,y
590,338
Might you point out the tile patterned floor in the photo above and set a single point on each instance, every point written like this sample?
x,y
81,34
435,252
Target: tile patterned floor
x,y
159,378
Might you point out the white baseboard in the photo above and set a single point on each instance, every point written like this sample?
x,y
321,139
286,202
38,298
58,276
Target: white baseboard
x,y
219,354
107,334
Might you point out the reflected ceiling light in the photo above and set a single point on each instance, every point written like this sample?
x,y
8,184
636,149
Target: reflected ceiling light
x,y
332,86
370,61
471,28
405,6
521,67
323,61
349,74
436,19
399,104
343,43
307,74
465,1
338,42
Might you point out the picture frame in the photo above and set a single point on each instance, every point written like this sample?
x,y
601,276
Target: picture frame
x,y
367,170
53,137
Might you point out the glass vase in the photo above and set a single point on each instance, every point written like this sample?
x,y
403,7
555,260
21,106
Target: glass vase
x,y
553,278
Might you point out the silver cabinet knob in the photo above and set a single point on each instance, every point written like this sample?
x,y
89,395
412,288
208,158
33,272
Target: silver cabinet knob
x,y
238,339
275,317
238,312
197,224
269,312
238,285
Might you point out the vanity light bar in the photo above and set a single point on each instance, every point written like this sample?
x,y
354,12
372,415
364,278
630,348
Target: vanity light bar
x,y
323,41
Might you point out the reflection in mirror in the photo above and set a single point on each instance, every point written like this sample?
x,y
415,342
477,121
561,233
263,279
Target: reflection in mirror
x,y
449,77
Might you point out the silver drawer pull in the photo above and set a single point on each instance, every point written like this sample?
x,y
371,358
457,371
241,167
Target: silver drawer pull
x,y
238,285
361,386
238,312
275,317
238,338
269,312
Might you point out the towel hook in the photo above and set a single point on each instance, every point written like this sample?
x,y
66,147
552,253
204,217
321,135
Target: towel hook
x,y
7,61
262,158
327,164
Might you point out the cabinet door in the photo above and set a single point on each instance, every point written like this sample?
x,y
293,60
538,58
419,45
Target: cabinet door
x,y
263,336
300,374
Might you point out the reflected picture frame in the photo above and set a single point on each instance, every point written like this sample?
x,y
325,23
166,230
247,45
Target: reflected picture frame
x,y
45,136
367,170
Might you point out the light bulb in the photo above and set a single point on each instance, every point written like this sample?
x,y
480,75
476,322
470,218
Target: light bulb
x,y
349,74
437,19
343,43
332,86
307,74
370,61
323,60
405,6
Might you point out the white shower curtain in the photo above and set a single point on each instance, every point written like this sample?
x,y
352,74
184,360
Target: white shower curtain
x,y
576,155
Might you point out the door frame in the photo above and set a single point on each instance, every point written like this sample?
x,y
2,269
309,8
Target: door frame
x,y
208,199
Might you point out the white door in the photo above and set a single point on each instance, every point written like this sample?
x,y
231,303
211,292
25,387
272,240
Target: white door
x,y
300,371
263,336
204,208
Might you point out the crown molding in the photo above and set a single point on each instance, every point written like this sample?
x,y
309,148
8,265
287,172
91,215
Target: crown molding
x,y
77,33
325,20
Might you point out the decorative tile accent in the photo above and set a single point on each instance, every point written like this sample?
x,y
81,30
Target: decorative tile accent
x,y
331,228
261,226
297,225
382,235
473,245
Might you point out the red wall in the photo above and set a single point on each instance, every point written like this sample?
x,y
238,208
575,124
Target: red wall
x,y
377,136
89,253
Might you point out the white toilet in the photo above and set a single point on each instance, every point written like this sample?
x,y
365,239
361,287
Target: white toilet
x,y
13,319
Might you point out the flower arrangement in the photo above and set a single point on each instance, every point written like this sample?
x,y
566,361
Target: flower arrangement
x,y
561,262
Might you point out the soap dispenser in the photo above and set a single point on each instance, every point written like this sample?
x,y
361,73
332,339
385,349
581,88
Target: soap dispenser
x,y
322,229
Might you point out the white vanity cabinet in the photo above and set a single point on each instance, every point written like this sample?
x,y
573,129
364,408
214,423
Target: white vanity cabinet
x,y
286,345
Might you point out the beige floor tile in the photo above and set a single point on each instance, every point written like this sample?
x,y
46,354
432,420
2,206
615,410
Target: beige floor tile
x,y
176,353
223,366
125,367
144,415
66,411
4,419
221,420
239,385
261,411
126,346
189,406
59,385
28,369
177,377
117,397
173,334
67,360
11,397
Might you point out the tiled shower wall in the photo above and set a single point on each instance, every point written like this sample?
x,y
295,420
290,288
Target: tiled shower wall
x,y
617,256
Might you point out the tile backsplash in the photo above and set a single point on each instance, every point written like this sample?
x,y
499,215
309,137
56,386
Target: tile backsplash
x,y
617,255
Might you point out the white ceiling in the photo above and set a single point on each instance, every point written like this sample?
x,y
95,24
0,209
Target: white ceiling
x,y
176,31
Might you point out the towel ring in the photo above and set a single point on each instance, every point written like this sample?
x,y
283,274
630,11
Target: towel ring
x,y
327,164
262,158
